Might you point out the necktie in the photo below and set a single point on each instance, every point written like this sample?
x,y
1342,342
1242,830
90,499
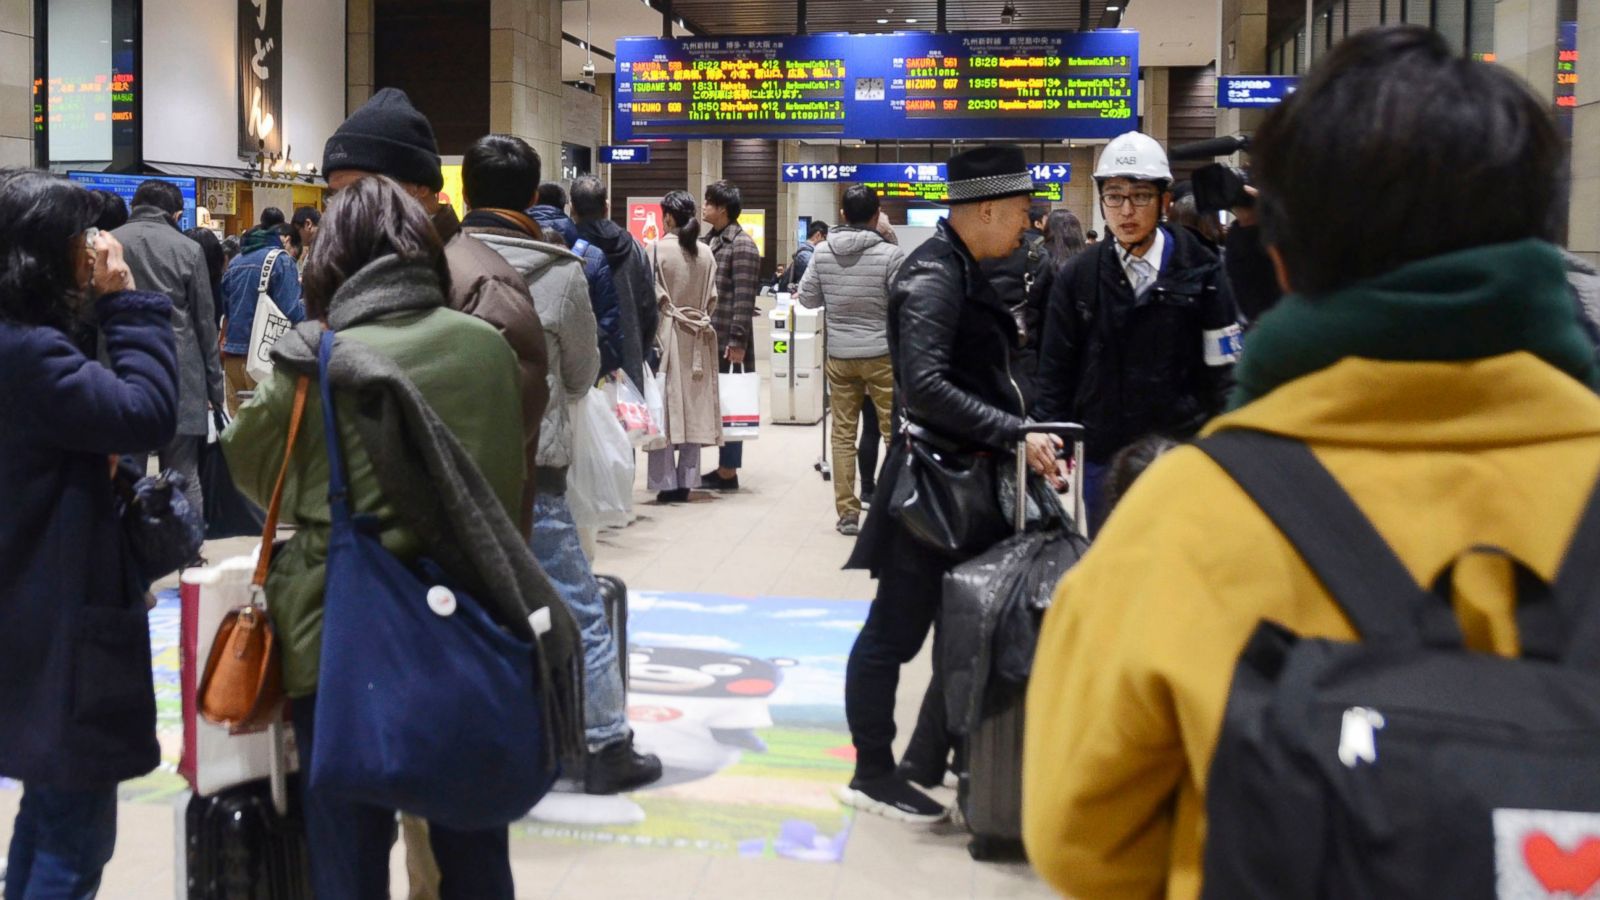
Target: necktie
x,y
1144,274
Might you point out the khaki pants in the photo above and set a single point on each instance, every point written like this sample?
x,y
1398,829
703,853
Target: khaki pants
x,y
236,380
850,381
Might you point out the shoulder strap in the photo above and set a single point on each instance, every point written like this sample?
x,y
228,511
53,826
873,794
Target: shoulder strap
x,y
1337,541
338,487
266,270
269,530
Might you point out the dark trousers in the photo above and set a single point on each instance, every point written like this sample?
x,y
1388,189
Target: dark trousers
x,y
61,842
1095,500
906,606
867,449
731,456
350,842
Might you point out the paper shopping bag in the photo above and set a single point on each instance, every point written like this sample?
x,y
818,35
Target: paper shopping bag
x,y
741,405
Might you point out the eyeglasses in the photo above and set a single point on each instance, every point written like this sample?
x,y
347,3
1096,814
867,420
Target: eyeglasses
x,y
1140,199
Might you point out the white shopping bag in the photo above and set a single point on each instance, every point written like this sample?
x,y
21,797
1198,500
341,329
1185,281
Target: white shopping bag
x,y
655,399
269,325
741,405
600,478
214,760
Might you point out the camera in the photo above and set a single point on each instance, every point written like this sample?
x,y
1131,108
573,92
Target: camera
x,y
1218,186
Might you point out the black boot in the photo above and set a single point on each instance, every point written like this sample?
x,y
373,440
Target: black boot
x,y
617,767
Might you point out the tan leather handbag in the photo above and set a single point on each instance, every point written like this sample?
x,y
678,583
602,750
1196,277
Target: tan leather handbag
x,y
241,687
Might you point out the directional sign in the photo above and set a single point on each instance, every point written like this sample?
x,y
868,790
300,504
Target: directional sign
x,y
617,156
1253,91
903,173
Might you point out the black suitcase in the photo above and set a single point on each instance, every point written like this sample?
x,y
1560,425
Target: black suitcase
x,y
239,848
615,595
989,793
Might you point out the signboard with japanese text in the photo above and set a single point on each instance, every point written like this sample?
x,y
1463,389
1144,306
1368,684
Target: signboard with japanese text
x,y
260,76
1254,91
909,86
125,186
917,173
619,156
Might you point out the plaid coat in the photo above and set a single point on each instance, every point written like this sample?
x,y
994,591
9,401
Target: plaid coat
x,y
738,280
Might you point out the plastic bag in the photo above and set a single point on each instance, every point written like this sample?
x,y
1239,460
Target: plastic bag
x,y
600,479
655,399
631,409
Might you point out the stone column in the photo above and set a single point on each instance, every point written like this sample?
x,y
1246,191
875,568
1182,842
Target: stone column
x,y
16,83
1157,102
525,74
705,167
358,54
1244,52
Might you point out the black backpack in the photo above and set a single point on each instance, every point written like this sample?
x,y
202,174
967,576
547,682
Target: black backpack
x,y
1404,766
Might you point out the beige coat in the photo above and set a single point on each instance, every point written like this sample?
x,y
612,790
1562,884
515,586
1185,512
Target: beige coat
x,y
688,342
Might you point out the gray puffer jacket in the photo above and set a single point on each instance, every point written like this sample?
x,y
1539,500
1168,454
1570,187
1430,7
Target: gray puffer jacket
x,y
850,275
561,297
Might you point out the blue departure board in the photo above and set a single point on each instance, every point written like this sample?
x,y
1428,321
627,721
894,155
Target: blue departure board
x,y
125,186
909,86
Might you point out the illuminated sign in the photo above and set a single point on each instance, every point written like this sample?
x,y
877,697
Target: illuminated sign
x,y
918,86
260,52
934,192
917,173
125,186
618,156
1567,69
1254,91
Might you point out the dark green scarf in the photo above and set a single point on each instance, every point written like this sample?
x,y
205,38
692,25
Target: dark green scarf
x,y
1472,304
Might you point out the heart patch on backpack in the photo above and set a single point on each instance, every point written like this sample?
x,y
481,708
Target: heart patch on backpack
x,y
1547,853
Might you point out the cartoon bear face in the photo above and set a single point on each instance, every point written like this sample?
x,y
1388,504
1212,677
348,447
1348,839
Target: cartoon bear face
x,y
702,673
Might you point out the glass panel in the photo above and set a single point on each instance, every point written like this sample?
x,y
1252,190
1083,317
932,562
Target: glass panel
x,y
1451,21
79,83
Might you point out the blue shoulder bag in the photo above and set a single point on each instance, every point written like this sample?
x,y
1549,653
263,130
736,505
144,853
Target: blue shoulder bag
x,y
424,704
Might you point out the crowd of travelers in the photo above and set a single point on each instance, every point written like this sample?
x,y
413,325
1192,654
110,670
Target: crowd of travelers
x,y
1386,351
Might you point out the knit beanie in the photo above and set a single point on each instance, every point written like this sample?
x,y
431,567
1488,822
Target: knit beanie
x,y
386,136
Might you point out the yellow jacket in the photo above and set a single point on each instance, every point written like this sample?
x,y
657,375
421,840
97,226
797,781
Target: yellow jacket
x,y
1138,651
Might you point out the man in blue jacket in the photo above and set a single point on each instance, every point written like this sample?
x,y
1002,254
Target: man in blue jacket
x,y
240,285
550,212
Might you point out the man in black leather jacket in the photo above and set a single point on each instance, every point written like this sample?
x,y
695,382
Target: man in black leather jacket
x,y
1023,279
950,339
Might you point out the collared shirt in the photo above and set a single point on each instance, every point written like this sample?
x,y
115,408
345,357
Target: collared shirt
x,y
1142,271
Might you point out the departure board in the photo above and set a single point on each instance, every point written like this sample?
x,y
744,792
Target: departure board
x,y
975,86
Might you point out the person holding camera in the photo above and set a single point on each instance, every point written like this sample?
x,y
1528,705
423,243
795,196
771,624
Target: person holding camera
x,y
1141,331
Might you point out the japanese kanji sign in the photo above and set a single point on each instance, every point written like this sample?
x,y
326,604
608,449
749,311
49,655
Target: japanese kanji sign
x,y
260,76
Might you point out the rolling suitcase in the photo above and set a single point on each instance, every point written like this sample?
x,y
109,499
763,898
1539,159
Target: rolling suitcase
x,y
615,595
989,793
248,842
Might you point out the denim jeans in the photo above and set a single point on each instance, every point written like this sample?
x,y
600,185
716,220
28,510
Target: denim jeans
x,y
350,842
1095,501
61,842
556,546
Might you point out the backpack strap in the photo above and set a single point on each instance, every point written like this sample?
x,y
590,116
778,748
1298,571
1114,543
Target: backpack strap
x,y
1336,540
266,271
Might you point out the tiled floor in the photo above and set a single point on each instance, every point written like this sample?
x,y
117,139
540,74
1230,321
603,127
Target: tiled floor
x,y
775,537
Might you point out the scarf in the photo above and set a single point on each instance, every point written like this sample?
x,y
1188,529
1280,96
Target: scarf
x,y
1470,304
504,219
259,239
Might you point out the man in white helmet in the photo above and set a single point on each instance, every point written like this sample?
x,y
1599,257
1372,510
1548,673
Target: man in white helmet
x,y
1141,332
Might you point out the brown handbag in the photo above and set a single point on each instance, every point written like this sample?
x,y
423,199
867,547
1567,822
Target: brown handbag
x,y
241,687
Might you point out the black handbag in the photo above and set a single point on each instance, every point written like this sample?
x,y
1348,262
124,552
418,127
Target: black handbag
x,y
228,514
162,531
946,496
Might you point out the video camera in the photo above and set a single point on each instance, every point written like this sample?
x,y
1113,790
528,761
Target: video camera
x,y
1217,186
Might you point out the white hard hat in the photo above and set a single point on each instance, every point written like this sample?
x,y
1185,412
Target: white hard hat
x,y
1133,155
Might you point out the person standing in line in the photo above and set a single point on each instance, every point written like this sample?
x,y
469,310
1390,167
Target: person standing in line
x,y
1063,237
850,276
164,261
306,221
549,211
950,338
687,275
816,233
499,176
630,274
113,212
738,281
77,701
216,263
240,286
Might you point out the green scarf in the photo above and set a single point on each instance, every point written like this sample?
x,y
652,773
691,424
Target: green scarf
x,y
1471,304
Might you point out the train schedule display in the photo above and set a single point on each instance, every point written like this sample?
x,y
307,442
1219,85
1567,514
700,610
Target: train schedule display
x,y
1040,86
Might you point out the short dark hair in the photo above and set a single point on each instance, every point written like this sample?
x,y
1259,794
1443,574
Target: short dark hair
x,y
1038,210
500,171
1091,235
113,211
306,214
1421,143
163,195
40,215
816,228
726,195
293,234
588,198
551,194
860,204
371,218
271,217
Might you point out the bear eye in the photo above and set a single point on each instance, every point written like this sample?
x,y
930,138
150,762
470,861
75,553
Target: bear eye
x,y
721,669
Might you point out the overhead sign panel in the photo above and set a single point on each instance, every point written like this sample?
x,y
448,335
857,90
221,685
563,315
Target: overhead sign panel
x,y
1253,91
619,156
913,173
1041,86
125,186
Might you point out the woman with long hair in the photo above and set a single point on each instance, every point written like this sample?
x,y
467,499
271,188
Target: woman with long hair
x,y
686,279
77,704
216,263
378,279
1063,237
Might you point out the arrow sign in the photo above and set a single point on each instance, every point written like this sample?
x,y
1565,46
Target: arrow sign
x,y
874,173
789,172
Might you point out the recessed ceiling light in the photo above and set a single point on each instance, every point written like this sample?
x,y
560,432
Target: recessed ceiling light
x,y
911,21
1112,8
883,21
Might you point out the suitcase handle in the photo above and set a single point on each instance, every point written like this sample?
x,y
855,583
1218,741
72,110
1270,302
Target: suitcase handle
x,y
1069,432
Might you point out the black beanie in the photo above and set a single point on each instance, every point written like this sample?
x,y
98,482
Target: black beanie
x,y
386,136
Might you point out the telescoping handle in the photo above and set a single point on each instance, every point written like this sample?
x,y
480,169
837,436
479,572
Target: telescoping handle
x,y
1070,433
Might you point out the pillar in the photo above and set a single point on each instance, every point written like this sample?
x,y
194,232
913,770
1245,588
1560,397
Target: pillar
x,y
705,167
525,74
16,83
358,54
1157,102
1243,52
